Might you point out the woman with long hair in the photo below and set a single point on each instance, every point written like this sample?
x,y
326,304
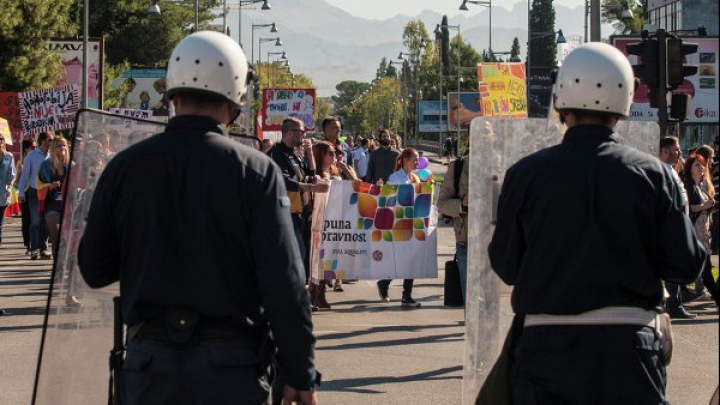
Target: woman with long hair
x,y
405,165
323,153
52,176
701,201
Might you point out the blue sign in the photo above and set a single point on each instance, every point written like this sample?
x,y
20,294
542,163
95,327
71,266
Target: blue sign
x,y
430,115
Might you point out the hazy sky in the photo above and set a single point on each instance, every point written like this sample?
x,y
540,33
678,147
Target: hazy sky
x,y
382,9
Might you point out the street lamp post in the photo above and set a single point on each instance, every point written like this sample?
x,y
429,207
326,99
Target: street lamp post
x,y
261,41
457,55
487,4
282,57
273,29
241,3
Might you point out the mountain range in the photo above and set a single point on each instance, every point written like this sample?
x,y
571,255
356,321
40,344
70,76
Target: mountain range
x,y
330,45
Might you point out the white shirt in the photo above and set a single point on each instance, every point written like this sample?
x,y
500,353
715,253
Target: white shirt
x,y
399,177
679,183
360,157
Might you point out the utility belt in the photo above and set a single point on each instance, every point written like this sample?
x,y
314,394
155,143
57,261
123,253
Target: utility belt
x,y
657,321
181,326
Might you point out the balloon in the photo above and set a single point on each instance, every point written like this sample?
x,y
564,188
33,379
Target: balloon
x,y
423,162
424,174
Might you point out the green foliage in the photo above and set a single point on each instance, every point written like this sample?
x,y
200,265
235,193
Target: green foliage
x,y
379,106
612,11
25,27
112,96
133,35
543,40
347,92
515,51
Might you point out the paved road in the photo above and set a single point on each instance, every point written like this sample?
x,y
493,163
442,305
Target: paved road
x,y
370,353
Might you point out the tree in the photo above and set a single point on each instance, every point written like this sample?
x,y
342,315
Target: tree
x,y
126,23
515,51
377,107
543,42
25,27
612,13
347,92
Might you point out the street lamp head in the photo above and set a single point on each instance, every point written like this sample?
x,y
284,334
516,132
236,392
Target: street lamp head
x,y
284,56
627,14
274,28
561,37
265,5
279,43
154,8
464,6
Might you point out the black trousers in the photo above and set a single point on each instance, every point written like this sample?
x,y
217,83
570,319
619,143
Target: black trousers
x,y
218,371
589,365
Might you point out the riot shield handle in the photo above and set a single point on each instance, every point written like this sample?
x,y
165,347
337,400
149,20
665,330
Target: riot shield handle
x,y
117,355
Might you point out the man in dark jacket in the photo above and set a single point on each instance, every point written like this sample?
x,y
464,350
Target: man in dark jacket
x,y
196,229
586,232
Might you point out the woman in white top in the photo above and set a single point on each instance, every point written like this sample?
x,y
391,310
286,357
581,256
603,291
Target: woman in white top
x,y
406,163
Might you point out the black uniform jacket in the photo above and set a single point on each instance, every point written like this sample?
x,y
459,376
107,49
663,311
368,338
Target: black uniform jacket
x,y
191,218
591,223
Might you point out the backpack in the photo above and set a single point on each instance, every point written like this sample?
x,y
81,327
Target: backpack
x,y
457,172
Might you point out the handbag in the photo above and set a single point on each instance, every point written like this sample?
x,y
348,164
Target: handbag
x,y
453,291
498,386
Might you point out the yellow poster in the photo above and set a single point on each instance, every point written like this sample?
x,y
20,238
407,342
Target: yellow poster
x,y
502,89
5,131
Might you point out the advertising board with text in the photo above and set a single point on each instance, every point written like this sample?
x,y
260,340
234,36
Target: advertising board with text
x,y
463,110
702,87
278,104
71,51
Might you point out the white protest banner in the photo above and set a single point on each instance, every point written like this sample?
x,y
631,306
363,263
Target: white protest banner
x,y
49,109
363,231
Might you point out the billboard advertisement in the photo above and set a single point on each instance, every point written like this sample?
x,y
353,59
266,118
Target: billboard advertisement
x,y
71,51
146,90
702,87
278,104
468,107
431,114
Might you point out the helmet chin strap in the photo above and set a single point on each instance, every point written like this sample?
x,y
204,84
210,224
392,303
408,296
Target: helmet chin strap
x,y
235,115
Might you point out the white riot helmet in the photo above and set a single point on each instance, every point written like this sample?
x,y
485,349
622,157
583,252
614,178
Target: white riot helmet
x,y
595,77
208,61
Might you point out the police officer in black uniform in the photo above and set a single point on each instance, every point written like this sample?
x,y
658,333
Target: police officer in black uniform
x,y
196,229
586,231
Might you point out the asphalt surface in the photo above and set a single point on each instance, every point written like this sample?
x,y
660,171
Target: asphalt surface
x,y
369,352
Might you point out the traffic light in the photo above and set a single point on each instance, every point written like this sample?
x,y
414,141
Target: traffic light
x,y
677,70
648,68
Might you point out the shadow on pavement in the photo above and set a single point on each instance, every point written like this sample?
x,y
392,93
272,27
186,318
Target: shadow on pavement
x,y
356,384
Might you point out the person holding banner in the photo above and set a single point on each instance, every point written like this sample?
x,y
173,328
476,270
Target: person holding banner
x,y
405,165
586,232
200,294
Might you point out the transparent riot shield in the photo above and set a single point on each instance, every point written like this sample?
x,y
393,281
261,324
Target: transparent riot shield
x,y
79,324
247,140
495,145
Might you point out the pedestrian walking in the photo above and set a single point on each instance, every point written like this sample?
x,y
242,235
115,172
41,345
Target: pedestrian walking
x,y
197,289
7,175
27,191
586,230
